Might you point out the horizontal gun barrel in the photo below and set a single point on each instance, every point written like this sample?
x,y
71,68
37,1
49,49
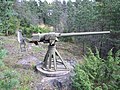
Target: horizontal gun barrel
x,y
83,33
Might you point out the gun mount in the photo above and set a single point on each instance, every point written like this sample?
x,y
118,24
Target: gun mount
x,y
53,59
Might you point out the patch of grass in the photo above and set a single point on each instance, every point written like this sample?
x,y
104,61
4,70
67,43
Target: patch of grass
x,y
26,78
8,77
37,48
24,88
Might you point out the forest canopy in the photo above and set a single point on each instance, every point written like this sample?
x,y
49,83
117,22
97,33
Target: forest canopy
x,y
78,16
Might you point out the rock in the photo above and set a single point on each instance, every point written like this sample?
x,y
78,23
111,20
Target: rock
x,y
62,82
28,62
55,83
73,62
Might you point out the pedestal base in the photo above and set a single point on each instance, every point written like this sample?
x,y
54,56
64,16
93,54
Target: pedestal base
x,y
57,73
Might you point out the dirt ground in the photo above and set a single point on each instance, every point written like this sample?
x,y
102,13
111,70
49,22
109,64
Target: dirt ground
x,y
29,77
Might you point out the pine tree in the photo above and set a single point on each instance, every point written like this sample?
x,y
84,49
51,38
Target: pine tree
x,y
8,17
97,73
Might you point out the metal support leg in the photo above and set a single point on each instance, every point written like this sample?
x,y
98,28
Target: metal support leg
x,y
46,59
50,60
61,58
55,63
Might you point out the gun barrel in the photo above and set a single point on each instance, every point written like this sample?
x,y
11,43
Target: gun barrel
x,y
83,33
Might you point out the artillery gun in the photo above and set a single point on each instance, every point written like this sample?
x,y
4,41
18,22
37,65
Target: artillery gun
x,y
53,59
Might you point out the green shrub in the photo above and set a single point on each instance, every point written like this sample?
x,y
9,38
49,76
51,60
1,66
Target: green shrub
x,y
33,29
97,73
1,64
9,26
9,80
81,80
3,53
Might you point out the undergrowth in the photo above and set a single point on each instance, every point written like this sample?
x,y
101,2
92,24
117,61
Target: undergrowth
x,y
9,78
98,74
